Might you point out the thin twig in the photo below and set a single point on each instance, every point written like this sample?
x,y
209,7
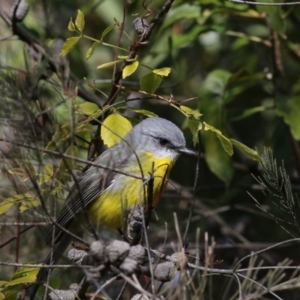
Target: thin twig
x,y
265,3
192,205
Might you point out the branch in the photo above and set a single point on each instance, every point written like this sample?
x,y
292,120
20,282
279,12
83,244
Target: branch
x,y
135,48
26,36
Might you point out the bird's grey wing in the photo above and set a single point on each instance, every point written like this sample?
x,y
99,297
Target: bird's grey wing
x,y
90,185
85,189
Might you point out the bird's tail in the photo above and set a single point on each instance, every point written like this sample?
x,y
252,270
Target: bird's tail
x,y
52,258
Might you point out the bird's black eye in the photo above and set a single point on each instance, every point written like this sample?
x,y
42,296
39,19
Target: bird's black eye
x,y
163,142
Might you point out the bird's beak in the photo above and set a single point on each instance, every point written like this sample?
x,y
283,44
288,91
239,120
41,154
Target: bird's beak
x,y
187,151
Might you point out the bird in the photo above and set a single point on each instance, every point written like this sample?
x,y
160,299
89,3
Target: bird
x,y
150,149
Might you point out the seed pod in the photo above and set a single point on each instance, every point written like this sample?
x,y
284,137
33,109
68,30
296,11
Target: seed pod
x,y
98,251
69,294
140,25
117,251
77,256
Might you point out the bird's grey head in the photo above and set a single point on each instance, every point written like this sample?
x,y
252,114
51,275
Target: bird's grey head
x,y
158,136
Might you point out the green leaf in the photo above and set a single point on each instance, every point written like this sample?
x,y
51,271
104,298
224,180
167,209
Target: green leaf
x,y
144,112
91,50
218,161
83,137
150,82
290,111
246,150
88,108
212,105
107,30
109,64
248,112
225,142
130,69
216,82
274,16
185,11
195,126
114,128
69,164
190,112
71,25
79,21
162,72
185,39
69,44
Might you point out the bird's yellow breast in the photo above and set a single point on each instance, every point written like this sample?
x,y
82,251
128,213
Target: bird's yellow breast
x,y
126,191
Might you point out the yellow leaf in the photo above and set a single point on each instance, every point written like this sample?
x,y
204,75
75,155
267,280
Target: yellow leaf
x,y
112,63
6,204
190,111
47,175
23,275
48,169
114,128
28,203
91,50
71,25
163,71
79,21
25,200
129,69
69,45
2,282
